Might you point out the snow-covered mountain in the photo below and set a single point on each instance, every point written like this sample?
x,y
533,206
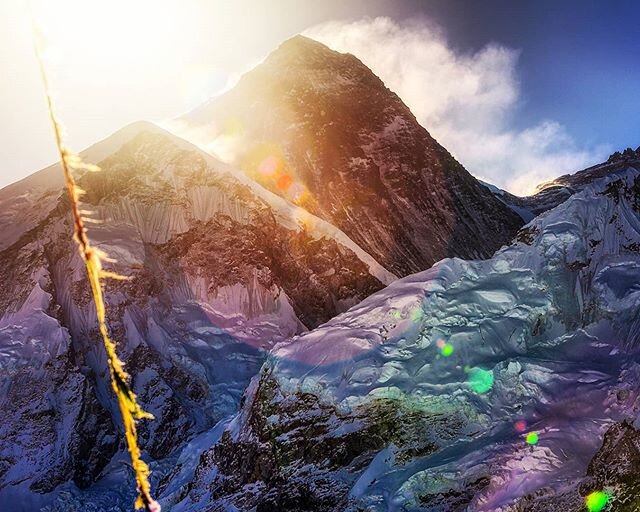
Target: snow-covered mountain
x,y
25,203
221,263
423,396
318,127
219,269
265,327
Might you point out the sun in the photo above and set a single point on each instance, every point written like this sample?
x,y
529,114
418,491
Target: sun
x,y
164,56
115,31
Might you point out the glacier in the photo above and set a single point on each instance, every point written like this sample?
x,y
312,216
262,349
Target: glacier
x,y
552,321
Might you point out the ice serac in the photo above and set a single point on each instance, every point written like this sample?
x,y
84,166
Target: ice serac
x,y
355,155
219,269
421,397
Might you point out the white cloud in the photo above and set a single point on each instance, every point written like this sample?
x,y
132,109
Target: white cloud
x,y
466,101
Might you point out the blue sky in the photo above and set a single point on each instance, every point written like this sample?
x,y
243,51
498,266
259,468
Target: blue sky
x,y
579,60
555,82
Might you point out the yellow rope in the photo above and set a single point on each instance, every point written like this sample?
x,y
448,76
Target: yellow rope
x,y
129,407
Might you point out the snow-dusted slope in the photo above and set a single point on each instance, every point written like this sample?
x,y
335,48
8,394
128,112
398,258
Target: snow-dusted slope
x,y
420,397
25,203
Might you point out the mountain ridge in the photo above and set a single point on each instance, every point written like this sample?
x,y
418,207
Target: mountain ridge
x,y
217,273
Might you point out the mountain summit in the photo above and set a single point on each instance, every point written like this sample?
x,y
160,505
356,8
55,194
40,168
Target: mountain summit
x,y
321,129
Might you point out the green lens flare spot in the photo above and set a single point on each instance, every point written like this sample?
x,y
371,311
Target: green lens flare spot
x,y
596,501
480,380
532,438
446,350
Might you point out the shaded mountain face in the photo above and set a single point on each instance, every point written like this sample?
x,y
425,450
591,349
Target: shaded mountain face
x,y
431,386
218,270
319,128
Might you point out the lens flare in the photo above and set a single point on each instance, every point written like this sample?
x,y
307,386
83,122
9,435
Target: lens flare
x,y
532,438
446,350
264,161
296,192
597,501
417,314
303,218
480,380
284,182
520,426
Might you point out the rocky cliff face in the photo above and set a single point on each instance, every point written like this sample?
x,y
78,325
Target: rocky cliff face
x,y
319,128
219,269
431,386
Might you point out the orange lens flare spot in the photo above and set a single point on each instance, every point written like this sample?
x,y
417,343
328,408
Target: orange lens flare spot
x,y
284,182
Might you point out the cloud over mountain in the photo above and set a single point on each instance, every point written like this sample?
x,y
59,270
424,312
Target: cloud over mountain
x,y
467,101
